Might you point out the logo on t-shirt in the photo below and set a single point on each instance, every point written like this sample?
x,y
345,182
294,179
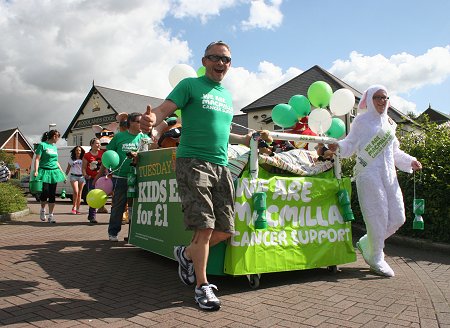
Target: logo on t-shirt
x,y
217,103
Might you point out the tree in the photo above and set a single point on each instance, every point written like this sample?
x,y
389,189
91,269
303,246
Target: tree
x,y
411,115
7,158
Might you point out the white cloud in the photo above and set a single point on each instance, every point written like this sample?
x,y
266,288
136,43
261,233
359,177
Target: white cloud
x,y
246,86
264,16
202,9
403,105
53,50
401,73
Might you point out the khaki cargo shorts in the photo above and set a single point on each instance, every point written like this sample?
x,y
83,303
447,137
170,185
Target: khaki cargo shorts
x,y
207,195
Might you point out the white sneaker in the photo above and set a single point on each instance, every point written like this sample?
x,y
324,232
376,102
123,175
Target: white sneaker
x,y
185,267
113,238
205,298
42,216
51,218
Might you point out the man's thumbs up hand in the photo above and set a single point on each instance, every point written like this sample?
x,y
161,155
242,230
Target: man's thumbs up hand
x,y
147,120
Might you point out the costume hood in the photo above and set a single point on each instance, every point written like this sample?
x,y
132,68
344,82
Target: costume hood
x,y
367,101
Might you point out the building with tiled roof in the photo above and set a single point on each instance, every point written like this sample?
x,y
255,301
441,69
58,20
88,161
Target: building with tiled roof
x,y
100,107
435,116
13,142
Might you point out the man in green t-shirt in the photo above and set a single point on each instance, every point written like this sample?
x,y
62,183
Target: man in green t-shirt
x,y
122,143
204,182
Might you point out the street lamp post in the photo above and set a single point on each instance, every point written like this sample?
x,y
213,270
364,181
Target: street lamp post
x,y
51,125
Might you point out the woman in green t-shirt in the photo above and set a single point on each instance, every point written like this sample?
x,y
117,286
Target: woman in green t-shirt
x,y
48,170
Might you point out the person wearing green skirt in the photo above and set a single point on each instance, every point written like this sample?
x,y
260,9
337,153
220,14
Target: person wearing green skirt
x,y
48,170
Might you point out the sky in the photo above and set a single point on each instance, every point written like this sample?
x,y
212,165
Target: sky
x,y
51,51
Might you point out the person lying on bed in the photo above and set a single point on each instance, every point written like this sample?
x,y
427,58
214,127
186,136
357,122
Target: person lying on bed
x,y
323,153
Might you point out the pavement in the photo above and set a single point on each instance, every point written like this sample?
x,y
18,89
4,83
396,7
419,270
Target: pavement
x,y
69,275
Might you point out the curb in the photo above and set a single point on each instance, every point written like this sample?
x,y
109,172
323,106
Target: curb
x,y
419,243
411,242
11,216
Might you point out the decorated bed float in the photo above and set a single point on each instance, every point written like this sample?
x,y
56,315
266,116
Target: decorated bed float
x,y
283,222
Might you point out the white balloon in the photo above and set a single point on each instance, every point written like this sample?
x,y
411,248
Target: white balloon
x,y
319,120
342,102
180,72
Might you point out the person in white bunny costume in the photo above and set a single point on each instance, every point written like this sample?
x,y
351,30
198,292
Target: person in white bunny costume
x,y
372,138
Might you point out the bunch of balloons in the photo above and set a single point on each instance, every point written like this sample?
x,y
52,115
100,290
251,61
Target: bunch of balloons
x,y
320,121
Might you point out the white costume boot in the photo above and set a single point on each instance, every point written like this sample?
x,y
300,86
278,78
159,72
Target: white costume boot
x,y
379,265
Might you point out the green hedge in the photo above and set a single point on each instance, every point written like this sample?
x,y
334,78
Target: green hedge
x,y
11,198
432,149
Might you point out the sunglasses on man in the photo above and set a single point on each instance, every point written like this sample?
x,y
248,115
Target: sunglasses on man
x,y
216,58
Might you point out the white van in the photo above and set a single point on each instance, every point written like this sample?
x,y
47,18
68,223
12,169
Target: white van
x,y
63,158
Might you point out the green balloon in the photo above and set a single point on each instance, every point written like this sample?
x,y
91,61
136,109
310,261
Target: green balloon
x,y
201,71
319,94
110,159
283,115
300,104
337,128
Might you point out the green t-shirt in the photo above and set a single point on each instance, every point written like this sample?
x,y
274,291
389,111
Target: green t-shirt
x,y
122,143
49,155
206,114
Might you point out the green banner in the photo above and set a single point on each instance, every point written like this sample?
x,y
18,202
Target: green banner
x,y
157,221
305,225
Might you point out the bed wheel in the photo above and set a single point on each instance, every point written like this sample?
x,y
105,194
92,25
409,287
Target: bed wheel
x,y
253,280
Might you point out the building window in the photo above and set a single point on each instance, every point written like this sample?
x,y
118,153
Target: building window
x,y
77,139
